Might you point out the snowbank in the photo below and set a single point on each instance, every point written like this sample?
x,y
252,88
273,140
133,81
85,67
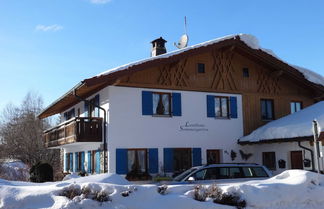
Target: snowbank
x,y
298,124
290,190
99,178
14,170
248,39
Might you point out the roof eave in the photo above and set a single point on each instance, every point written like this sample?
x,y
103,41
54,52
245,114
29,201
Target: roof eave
x,y
42,114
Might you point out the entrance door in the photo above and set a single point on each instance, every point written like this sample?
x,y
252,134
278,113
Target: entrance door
x,y
213,156
182,160
296,159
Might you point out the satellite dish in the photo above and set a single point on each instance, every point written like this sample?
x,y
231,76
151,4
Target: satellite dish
x,y
183,42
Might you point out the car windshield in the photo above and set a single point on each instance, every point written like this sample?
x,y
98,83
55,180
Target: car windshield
x,y
184,174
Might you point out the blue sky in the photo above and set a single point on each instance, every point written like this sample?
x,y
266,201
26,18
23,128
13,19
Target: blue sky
x,y
48,46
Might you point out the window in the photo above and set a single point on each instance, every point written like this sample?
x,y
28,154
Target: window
x,y
69,162
161,103
245,72
201,68
92,110
269,160
69,114
267,112
200,175
79,161
95,161
250,172
182,160
295,106
221,107
137,161
213,156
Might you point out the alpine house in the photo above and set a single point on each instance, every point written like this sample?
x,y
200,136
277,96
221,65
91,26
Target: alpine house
x,y
175,110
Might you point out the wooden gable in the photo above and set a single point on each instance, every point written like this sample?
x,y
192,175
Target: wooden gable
x,y
269,78
224,74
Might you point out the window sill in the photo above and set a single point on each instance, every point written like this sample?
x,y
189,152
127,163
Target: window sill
x,y
162,116
267,120
223,118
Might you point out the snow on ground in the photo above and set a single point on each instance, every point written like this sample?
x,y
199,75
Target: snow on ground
x,y
99,178
298,124
14,170
295,189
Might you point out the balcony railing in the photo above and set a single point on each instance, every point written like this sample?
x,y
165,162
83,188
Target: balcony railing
x,y
74,130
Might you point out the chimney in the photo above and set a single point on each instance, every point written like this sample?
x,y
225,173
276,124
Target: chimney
x,y
158,47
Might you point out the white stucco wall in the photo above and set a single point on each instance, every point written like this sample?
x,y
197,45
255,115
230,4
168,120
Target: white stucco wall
x,y
282,151
128,128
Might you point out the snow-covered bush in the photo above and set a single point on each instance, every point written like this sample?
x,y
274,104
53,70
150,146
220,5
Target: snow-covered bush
x,y
14,170
232,199
71,191
162,189
213,191
200,193
87,191
130,189
101,196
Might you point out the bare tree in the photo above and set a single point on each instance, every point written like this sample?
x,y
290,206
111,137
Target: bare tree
x,y
21,133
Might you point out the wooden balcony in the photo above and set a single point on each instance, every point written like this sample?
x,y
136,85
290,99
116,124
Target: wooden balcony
x,y
74,130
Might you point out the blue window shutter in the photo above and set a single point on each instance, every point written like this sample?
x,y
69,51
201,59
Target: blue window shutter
x,y
176,104
82,161
97,102
211,106
71,162
121,161
196,156
76,167
86,109
168,159
147,103
66,162
89,162
98,162
233,106
153,161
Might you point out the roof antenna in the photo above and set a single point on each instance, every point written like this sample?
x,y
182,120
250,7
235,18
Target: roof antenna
x,y
183,42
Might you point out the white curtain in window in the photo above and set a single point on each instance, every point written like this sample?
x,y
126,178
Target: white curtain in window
x,y
131,159
141,160
224,107
156,98
165,101
217,107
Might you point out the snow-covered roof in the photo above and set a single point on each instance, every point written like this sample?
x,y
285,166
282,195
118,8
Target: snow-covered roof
x,y
298,124
248,39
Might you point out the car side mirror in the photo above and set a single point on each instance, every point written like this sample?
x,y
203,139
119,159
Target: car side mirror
x,y
191,179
